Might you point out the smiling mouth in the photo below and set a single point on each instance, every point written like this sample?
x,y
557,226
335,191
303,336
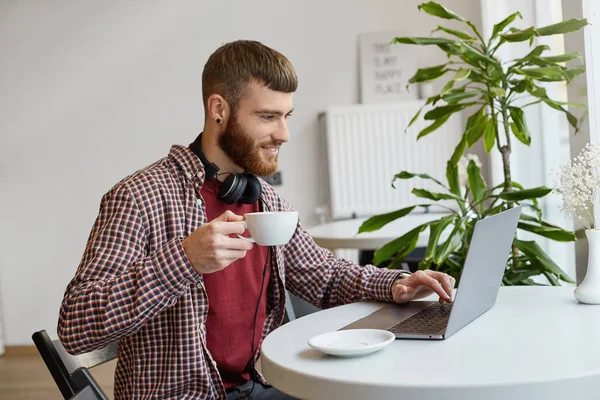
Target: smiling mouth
x,y
272,150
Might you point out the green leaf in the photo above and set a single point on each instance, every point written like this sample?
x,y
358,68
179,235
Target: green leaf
x,y
504,23
562,58
451,243
436,124
435,196
438,10
574,105
527,217
535,90
519,35
378,221
551,278
450,49
422,40
494,210
571,25
520,85
573,72
570,117
476,182
435,231
402,245
526,194
452,177
549,62
466,53
458,34
454,97
534,207
545,74
533,250
520,135
428,74
447,87
410,175
478,77
490,135
541,93
554,233
462,74
497,91
442,111
433,99
412,121
472,54
459,151
517,276
475,128
519,127
536,52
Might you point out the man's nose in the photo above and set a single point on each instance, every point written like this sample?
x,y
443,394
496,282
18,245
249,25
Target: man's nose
x,y
283,134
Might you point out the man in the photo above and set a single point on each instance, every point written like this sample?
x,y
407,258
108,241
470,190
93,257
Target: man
x,y
164,274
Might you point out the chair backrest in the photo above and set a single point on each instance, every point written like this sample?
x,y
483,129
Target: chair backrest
x,y
289,308
86,394
86,360
70,373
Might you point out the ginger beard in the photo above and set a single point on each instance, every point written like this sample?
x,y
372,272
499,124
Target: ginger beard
x,y
243,150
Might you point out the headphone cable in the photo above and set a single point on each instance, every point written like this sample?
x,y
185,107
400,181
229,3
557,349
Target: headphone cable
x,y
253,359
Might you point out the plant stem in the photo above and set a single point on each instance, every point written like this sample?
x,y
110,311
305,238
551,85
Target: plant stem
x,y
505,151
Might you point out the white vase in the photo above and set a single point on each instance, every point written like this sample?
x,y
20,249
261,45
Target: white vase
x,y
588,291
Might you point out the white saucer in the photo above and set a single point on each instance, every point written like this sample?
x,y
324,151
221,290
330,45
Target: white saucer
x,y
352,342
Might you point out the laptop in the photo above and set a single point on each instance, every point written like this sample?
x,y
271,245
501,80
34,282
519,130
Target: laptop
x,y
476,293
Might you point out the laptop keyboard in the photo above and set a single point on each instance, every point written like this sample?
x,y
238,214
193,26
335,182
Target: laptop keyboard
x,y
430,320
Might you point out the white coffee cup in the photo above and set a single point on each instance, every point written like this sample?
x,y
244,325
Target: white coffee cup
x,y
270,228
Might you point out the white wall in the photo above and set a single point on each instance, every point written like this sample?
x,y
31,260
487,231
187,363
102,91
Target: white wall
x,y
91,91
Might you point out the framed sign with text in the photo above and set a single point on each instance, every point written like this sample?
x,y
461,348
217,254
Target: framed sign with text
x,y
385,69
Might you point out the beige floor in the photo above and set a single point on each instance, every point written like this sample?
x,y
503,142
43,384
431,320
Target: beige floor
x,y
26,378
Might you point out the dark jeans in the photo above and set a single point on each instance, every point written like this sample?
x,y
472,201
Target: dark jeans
x,y
260,392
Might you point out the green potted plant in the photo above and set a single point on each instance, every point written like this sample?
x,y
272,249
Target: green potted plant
x,y
497,91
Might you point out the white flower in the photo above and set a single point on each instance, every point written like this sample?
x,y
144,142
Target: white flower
x,y
578,181
463,163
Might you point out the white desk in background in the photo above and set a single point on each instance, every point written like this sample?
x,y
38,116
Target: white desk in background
x,y
535,343
343,234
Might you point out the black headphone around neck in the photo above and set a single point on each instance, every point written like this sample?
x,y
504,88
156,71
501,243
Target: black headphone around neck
x,y
241,188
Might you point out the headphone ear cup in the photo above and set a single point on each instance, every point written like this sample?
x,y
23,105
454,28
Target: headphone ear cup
x,y
253,189
232,188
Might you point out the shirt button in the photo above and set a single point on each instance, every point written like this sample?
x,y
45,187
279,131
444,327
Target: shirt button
x,y
199,285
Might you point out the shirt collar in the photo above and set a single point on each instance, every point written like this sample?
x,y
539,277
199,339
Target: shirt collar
x,y
188,162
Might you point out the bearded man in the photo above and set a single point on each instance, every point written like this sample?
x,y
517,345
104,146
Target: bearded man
x,y
164,274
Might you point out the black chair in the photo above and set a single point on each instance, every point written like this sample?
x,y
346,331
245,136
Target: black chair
x,y
71,373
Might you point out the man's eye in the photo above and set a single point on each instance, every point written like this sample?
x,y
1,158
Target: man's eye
x,y
267,117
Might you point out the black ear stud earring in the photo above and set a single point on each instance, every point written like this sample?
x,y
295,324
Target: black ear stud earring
x,y
218,120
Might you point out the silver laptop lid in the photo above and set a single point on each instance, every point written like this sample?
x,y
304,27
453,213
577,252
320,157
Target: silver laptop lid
x,y
484,268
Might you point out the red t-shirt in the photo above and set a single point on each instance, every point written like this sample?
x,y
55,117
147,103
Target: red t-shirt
x,y
232,296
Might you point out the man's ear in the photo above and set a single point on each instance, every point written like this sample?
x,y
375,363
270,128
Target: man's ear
x,y
218,109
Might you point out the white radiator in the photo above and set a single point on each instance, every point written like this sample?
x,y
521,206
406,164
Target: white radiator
x,y
367,146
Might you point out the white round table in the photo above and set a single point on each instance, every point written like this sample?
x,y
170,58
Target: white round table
x,y
344,234
536,343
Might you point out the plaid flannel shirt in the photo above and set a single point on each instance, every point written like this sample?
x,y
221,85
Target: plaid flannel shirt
x,y
136,286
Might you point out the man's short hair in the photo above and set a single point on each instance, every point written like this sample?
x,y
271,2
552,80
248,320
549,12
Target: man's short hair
x,y
234,65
